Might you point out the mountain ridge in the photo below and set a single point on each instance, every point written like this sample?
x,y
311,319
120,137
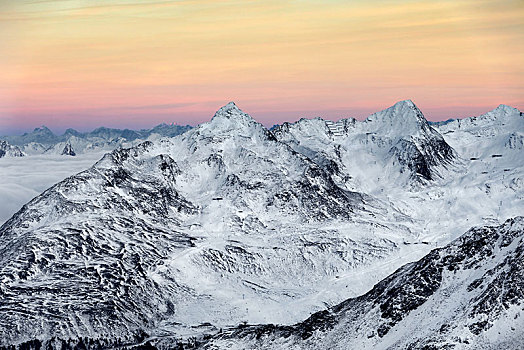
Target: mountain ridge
x,y
43,141
398,136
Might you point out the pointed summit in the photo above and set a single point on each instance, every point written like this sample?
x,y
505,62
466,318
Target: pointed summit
x,y
400,110
505,109
403,118
230,111
42,128
406,109
232,117
229,106
71,132
231,121
41,135
501,113
407,102
43,131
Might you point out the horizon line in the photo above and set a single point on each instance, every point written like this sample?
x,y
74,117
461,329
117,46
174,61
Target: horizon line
x,y
87,129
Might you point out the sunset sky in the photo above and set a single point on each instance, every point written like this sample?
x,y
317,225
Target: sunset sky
x,y
130,63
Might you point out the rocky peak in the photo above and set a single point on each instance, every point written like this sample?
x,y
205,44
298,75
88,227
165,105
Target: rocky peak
x,y
231,113
501,120
71,132
403,118
317,128
505,109
231,121
68,150
42,130
502,112
7,150
41,134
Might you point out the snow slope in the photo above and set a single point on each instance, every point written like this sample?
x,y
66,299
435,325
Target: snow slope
x,y
467,295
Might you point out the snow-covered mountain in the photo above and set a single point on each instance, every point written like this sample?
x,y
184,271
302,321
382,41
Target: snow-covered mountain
x,y
42,140
491,147
468,295
41,135
237,159
397,157
225,200
497,136
230,222
68,150
7,150
394,146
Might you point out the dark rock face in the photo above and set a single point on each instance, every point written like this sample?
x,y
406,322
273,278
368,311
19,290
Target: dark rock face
x,y
411,159
68,150
420,158
515,141
317,196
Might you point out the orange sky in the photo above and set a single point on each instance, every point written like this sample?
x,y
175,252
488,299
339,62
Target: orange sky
x,y
130,63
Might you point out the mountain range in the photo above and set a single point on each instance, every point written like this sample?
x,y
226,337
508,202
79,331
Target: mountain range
x,y
356,227
43,140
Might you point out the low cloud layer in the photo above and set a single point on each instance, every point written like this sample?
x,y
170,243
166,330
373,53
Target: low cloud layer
x,y
25,178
